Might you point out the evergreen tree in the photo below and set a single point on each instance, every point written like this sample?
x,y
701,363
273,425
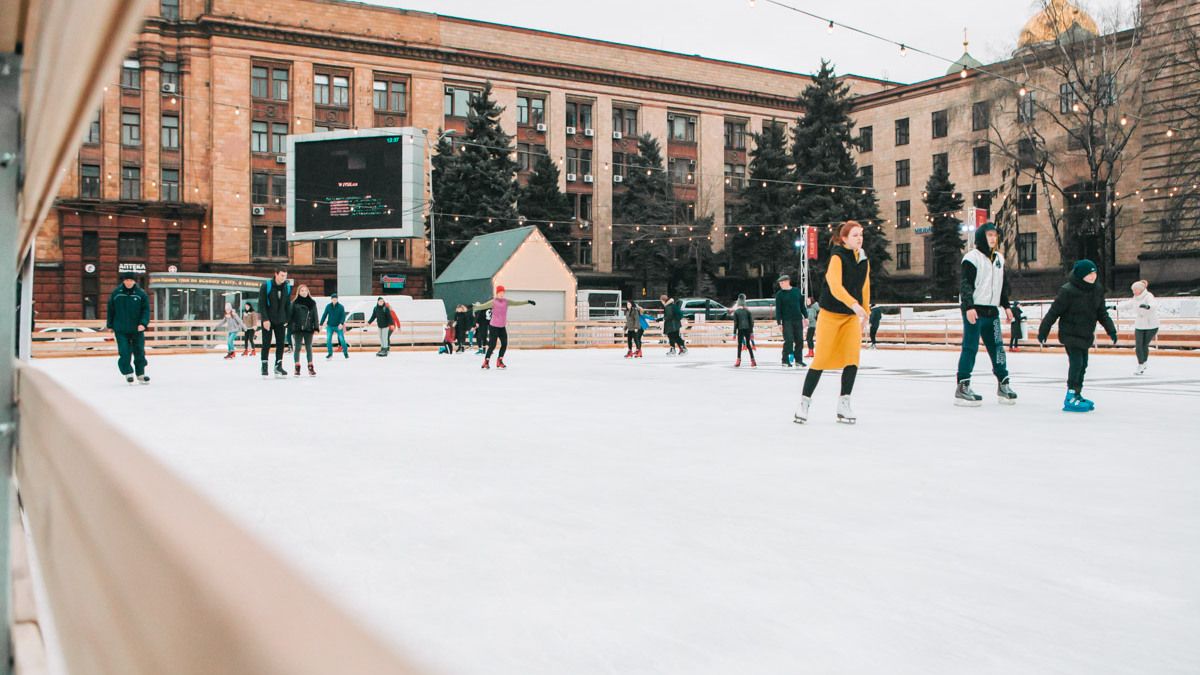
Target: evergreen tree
x,y
941,203
475,179
765,199
541,200
646,204
821,154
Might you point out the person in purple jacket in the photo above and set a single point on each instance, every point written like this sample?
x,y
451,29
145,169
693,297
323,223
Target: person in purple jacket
x,y
498,329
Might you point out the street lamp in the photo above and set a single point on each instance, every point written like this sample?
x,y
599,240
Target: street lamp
x,y
432,214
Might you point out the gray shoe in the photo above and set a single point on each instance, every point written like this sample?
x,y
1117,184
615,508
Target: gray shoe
x,y
1005,393
963,396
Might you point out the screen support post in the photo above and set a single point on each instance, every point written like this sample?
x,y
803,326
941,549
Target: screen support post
x,y
355,261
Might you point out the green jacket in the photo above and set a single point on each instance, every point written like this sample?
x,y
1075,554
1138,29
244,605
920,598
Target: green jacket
x,y
789,305
128,308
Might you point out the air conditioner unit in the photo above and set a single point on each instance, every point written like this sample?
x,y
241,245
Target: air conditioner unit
x,y
616,135
618,178
281,159
587,178
571,178
168,88
570,131
258,210
589,132
541,127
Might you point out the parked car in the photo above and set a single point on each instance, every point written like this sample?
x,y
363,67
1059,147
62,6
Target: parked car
x,y
69,334
710,309
762,308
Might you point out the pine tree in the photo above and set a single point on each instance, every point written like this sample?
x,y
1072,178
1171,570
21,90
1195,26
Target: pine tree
x,y
475,179
765,199
646,204
821,154
942,202
541,201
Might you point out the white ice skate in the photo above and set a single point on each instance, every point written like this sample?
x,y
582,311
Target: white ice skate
x,y
844,414
1141,369
801,415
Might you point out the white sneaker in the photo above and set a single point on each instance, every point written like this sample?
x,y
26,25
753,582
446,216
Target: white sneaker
x,y
801,415
844,414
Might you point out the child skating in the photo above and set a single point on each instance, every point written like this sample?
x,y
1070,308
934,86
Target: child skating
x,y
498,325
447,339
1077,309
743,328
233,326
1145,324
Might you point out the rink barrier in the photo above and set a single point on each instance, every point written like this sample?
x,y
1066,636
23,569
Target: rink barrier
x,y
192,337
143,576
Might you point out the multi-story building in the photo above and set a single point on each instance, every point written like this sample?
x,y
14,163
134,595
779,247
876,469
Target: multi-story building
x,y
183,167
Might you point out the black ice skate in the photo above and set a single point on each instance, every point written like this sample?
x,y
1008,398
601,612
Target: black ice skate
x,y
279,371
1005,393
963,396
264,370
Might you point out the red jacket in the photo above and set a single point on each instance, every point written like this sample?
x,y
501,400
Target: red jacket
x,y
449,335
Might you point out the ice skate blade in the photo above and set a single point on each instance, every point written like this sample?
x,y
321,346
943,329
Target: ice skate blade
x,y
1006,401
967,404
847,420
799,420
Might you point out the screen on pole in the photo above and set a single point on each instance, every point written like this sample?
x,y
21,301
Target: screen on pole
x,y
365,184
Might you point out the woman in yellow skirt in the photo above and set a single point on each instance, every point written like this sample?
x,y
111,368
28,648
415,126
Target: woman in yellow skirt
x,y
845,303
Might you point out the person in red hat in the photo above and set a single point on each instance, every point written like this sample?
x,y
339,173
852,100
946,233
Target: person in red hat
x,y
498,330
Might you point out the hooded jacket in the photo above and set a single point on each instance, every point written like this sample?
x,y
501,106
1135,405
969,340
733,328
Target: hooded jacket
x,y
230,323
275,302
1077,309
984,286
128,308
743,319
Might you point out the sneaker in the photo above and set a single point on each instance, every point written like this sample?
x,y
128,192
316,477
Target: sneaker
x,y
801,415
279,371
1073,402
312,372
1005,393
128,379
844,414
297,369
264,369
143,379
486,365
500,364
963,396
737,364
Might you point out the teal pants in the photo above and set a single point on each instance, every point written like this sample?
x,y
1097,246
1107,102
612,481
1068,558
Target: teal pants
x,y
131,346
988,328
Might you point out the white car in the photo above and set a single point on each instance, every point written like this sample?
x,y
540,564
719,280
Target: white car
x,y
69,334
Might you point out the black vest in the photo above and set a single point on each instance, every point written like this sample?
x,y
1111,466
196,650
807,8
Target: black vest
x,y
854,275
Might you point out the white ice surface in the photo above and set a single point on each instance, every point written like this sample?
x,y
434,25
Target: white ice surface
x,y
580,513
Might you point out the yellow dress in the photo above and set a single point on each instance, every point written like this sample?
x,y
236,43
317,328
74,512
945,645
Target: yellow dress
x,y
839,336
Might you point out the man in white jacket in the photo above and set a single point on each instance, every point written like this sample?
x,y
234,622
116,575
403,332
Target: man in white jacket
x,y
1145,324
983,292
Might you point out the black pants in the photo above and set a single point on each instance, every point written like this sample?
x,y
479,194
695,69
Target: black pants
x,y
481,335
812,333
300,339
499,333
460,336
676,340
1143,337
279,332
793,340
1078,359
249,339
874,332
131,346
633,337
814,376
744,337
1014,339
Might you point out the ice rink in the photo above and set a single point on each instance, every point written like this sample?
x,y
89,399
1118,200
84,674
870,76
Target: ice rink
x,y
581,513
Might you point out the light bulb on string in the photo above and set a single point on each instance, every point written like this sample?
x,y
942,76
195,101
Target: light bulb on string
x,y
1170,133
903,50
1124,121
963,73
1022,91
829,28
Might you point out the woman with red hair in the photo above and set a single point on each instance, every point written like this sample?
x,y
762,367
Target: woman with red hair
x,y
845,303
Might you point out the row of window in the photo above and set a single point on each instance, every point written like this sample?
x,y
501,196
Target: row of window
x,y
131,246
131,130
131,74
1026,251
131,183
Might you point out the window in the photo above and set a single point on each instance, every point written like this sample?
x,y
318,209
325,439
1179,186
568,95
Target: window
x,y
170,132
583,208
89,181
269,242
389,250
341,91
260,241
174,246
902,131
903,252
776,124
1026,107
169,9
903,214
131,246
324,250
279,189
1106,89
258,136
91,245
620,164
585,251
867,173
258,188
170,185
131,183
170,73
457,101
981,160
279,245
1027,200
941,124
279,84
579,115
1026,153
625,121
93,133
131,128
585,162
91,293
685,212
1066,97
866,139
941,162
528,156
735,135
983,200
391,96
131,74
902,173
683,171
682,128
735,176
1027,247
531,111
258,82
981,115
279,132
572,162
321,89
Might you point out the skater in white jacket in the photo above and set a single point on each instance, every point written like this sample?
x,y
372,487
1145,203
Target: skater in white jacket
x,y
1145,325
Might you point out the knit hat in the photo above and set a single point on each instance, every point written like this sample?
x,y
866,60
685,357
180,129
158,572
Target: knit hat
x,y
1083,268
499,290
783,277
228,307
332,295
128,275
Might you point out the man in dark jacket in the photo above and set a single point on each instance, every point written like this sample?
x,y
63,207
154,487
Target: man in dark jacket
x,y
673,324
464,321
275,305
483,320
1078,307
876,317
128,317
334,320
789,314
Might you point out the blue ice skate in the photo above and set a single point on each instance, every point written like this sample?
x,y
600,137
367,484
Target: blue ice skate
x,y
1075,403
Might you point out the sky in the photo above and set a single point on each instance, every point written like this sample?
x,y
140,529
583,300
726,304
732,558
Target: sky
x,y
771,36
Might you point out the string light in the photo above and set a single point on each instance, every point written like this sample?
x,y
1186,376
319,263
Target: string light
x,y
903,50
829,29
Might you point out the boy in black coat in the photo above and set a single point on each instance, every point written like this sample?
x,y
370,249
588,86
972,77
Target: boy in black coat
x,y
1077,309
